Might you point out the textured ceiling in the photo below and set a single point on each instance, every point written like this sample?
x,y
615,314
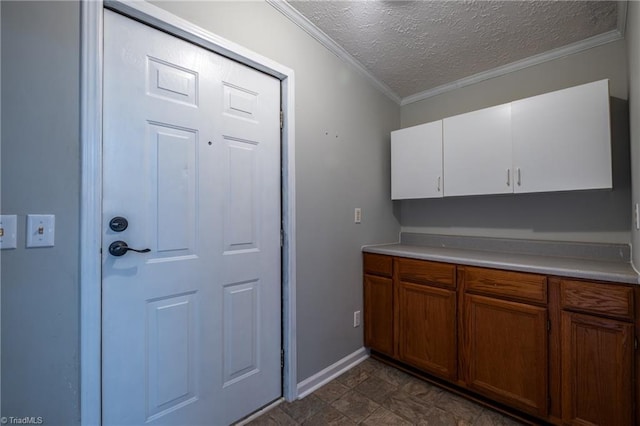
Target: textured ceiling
x,y
415,46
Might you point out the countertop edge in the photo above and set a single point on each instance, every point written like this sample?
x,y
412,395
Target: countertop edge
x,y
620,272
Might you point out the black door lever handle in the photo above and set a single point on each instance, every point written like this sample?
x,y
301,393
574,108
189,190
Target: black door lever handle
x,y
120,248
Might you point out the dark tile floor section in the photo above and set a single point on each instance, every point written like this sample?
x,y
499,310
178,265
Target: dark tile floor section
x,y
375,394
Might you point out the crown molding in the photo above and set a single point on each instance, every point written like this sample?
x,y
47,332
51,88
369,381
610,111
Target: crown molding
x,y
550,55
301,21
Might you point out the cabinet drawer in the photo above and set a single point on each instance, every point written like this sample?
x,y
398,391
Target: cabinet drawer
x,y
378,264
425,272
597,298
513,285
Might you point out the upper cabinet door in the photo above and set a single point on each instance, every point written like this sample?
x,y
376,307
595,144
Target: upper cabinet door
x,y
416,162
477,152
562,140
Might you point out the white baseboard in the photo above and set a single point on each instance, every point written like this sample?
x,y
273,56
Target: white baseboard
x,y
323,377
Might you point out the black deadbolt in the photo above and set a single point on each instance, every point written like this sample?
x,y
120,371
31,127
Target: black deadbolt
x,y
118,224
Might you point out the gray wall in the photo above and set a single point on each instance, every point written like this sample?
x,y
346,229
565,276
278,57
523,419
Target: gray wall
x,y
596,216
342,162
40,174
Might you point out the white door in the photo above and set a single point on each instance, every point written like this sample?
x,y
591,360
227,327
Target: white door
x,y
477,152
191,159
416,162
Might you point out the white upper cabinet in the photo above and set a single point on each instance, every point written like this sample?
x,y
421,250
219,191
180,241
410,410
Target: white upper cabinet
x,y
416,162
559,141
562,140
477,152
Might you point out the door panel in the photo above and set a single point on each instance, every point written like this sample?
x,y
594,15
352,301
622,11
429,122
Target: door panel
x,y
240,208
597,370
428,337
240,330
505,352
175,191
191,157
477,152
171,350
416,162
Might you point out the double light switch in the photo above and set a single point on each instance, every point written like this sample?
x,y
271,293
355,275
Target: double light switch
x,y
40,230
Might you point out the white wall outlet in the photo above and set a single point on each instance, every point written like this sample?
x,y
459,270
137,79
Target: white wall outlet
x,y
8,231
356,319
41,230
357,215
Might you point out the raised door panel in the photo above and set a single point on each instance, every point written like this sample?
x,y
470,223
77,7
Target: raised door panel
x,y
416,162
427,332
505,352
378,314
597,371
562,140
477,152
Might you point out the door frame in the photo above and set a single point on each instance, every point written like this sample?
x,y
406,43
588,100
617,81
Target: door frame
x,y
91,73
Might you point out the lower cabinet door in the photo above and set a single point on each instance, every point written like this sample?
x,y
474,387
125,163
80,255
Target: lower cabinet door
x,y
427,329
378,314
505,352
597,371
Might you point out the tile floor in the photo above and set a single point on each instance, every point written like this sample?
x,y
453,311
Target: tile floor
x,y
373,393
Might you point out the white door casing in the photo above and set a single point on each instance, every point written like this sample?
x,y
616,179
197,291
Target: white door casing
x,y
191,157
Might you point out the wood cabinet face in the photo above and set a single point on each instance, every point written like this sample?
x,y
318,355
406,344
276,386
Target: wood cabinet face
x,y
377,264
425,272
597,370
427,328
597,298
477,152
505,352
562,140
378,314
416,162
514,285
496,341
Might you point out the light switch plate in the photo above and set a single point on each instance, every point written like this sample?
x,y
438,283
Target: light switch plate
x,y
8,231
357,215
41,230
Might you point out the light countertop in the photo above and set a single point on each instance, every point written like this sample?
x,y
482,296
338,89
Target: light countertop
x,y
594,269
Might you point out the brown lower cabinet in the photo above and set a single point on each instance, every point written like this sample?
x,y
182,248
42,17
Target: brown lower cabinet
x,y
427,329
378,314
598,346
378,304
597,358
490,332
505,352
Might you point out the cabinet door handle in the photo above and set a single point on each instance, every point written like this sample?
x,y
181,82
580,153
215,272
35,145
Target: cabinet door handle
x,y
508,177
519,180
438,183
